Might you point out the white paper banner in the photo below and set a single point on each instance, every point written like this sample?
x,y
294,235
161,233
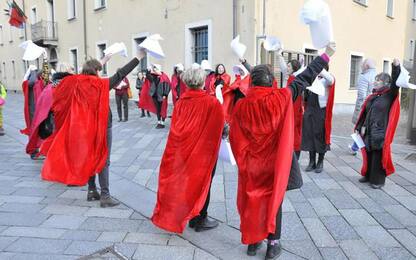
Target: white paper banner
x,y
403,80
358,140
118,47
238,48
226,154
152,46
32,51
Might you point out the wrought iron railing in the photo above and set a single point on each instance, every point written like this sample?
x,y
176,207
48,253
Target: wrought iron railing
x,y
45,31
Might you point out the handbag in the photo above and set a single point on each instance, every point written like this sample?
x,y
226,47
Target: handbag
x,y
295,176
129,93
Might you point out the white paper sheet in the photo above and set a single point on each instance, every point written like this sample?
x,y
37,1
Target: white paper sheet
x,y
404,78
317,87
272,43
238,48
358,140
116,48
152,46
218,94
226,154
32,51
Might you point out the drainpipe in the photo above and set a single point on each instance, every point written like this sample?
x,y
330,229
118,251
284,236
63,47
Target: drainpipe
x,y
264,17
263,36
85,29
234,18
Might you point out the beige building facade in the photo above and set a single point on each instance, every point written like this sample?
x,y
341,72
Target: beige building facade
x,y
73,30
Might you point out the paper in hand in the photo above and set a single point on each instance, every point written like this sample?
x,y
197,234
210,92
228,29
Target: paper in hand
x,y
403,80
238,48
226,154
272,43
317,87
152,46
118,47
218,94
358,140
32,51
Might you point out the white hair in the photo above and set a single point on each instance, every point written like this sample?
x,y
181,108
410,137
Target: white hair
x,y
369,63
194,78
64,67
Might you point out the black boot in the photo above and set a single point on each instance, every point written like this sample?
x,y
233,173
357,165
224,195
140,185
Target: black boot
x,y
93,195
148,114
252,248
363,179
143,114
320,165
108,202
312,162
274,249
205,224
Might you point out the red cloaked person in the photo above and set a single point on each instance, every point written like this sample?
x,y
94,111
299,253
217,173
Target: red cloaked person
x,y
78,147
238,89
177,85
190,155
381,106
220,78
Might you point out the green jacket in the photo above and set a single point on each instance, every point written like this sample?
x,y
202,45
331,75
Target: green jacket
x,y
3,92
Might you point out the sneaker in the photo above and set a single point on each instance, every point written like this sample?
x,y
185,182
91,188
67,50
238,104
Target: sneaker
x,y
351,151
205,224
93,195
148,114
37,157
107,202
252,248
143,115
274,249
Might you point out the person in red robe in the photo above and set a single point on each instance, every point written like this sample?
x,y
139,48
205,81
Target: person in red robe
x,y
377,124
238,89
220,78
261,136
80,145
210,74
177,85
191,153
154,94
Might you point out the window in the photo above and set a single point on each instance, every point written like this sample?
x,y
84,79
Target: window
x,y
73,58
14,69
100,4
355,70
33,15
71,9
390,8
361,2
1,34
143,63
200,44
386,66
411,50
100,54
4,70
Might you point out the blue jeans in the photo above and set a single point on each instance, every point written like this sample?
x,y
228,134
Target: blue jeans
x,y
354,147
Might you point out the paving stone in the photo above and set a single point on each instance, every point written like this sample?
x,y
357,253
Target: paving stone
x,y
393,253
341,199
108,213
357,250
395,190
202,255
57,209
287,206
292,228
148,227
408,201
38,192
302,248
318,232
339,228
380,197
43,257
137,216
178,241
22,219
143,238
353,190
21,208
295,196
155,252
59,201
112,237
20,199
6,241
387,221
33,184
403,215
62,221
323,207
304,210
39,245
85,247
107,224
33,232
358,217
334,253
80,235
6,255
370,205
327,184
7,190
310,190
376,237
406,238
74,194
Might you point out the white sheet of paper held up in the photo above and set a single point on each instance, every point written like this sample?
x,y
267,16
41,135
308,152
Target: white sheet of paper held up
x,y
152,46
226,154
218,94
358,140
118,47
272,43
403,80
317,87
32,51
238,48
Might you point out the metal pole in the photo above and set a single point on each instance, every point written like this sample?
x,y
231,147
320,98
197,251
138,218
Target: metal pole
x,y
264,17
85,29
234,18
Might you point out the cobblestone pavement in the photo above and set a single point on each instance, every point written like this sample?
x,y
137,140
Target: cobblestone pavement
x,y
332,216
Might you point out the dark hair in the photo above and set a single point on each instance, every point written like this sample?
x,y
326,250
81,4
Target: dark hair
x,y
91,67
386,78
216,68
295,65
326,66
262,75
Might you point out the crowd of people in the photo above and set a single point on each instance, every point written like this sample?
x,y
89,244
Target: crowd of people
x,y
69,125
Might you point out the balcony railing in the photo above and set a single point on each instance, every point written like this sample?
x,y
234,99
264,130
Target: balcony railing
x,y
45,31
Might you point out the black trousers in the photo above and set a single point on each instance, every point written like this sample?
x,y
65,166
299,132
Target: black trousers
x,y
278,231
125,99
204,211
375,172
158,106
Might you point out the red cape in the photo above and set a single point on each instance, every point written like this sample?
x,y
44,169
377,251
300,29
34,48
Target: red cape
x,y
394,115
37,90
261,135
43,106
228,94
146,101
298,115
190,155
174,82
328,113
225,77
78,147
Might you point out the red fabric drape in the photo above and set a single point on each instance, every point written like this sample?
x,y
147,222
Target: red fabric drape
x,y
298,117
146,101
37,90
174,83
225,77
328,115
228,94
261,135
43,106
78,148
189,158
387,161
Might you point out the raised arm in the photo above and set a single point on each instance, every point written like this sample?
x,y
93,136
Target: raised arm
x,y
125,70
